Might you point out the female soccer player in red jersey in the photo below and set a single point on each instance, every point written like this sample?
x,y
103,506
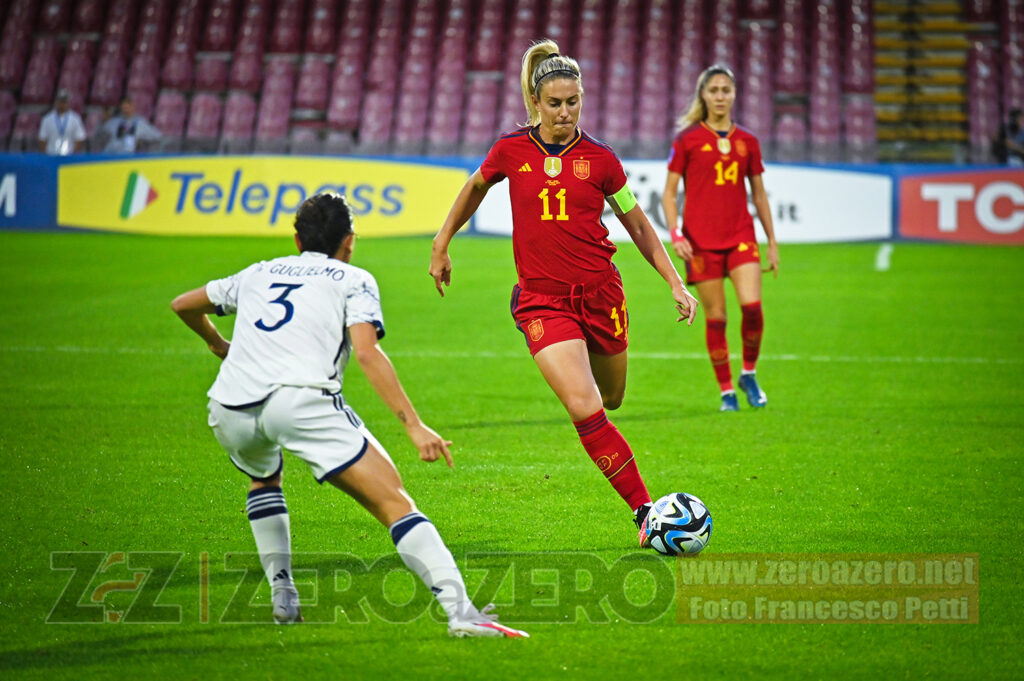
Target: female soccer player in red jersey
x,y
569,302
713,156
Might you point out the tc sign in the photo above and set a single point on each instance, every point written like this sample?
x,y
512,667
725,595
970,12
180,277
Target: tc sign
x,y
977,206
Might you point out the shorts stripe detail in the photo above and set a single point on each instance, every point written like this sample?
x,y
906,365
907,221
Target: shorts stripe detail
x,y
402,526
340,469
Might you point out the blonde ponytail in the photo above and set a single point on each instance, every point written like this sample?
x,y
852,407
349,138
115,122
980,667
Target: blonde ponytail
x,y
540,61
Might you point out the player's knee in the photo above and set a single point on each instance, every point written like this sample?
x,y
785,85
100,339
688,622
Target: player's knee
x,y
614,400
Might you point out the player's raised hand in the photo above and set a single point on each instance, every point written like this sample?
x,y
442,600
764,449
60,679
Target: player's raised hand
x,y
431,445
441,270
686,304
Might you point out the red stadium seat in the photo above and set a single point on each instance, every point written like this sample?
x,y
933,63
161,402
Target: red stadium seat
x,y
724,25
55,16
88,16
25,135
42,70
859,135
107,81
755,73
481,106
286,27
790,136
74,77
246,72
211,73
559,25
321,27
791,74
313,87
203,122
486,48
376,125
169,116
272,121
758,9
177,69
8,106
219,28
239,119
983,111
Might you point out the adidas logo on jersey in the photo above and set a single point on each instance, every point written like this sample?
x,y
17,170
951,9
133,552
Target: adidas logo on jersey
x,y
706,147
526,168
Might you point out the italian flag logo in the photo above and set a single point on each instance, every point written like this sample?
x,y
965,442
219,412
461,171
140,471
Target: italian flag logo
x,y
137,195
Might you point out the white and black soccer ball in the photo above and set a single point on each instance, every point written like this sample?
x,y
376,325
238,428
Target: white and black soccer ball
x,y
679,523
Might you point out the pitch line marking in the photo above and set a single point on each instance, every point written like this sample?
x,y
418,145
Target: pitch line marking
x,y
485,354
883,257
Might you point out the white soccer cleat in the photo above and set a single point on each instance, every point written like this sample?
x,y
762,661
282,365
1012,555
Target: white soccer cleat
x,y
286,605
482,623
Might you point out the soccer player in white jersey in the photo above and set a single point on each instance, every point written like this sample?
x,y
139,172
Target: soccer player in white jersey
x,y
298,318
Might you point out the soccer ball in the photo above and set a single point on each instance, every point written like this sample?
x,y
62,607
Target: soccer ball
x,y
679,523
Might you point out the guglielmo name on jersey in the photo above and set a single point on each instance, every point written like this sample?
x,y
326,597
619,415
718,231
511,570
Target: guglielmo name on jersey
x,y
250,195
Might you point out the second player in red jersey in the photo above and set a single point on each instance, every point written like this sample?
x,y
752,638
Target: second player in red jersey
x,y
569,301
715,157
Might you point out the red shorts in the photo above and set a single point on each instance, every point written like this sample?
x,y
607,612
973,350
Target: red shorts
x,y
548,313
705,265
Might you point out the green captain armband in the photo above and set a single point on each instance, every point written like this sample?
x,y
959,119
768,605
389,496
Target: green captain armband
x,y
622,201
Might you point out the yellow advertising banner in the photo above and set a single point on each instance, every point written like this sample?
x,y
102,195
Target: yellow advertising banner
x,y
250,195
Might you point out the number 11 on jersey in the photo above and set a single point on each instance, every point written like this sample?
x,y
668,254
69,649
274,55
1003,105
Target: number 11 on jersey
x,y
546,210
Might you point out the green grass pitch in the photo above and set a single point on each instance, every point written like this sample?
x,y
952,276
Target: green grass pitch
x,y
895,425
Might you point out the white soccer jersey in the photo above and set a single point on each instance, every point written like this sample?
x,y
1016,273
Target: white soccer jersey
x,y
290,330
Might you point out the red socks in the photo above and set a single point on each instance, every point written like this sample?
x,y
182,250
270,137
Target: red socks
x,y
612,455
718,350
751,329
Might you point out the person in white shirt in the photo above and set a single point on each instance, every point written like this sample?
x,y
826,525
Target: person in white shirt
x,y
298,319
61,131
123,131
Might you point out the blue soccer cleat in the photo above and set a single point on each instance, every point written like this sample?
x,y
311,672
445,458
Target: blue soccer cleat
x,y
755,396
729,402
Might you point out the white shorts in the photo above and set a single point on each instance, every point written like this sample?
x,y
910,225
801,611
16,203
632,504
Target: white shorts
x,y
311,423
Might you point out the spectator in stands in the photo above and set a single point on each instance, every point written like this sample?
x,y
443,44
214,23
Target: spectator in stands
x,y
1015,139
123,132
61,131
714,158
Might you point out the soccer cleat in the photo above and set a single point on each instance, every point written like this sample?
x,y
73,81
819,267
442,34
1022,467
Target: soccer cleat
x,y
482,623
640,518
286,605
729,402
755,396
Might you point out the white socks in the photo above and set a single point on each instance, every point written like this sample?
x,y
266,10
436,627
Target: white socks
x,y
268,517
423,552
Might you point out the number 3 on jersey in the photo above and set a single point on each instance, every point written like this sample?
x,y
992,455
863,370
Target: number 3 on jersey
x,y
283,301
546,210
731,173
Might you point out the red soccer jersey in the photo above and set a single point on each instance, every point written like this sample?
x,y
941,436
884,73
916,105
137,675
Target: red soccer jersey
x,y
715,214
557,194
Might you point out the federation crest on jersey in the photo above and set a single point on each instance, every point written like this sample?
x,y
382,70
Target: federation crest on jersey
x,y
724,145
741,147
536,330
581,169
552,166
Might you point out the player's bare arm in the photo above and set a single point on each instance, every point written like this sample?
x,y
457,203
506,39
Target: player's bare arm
x,y
650,246
764,214
466,203
195,308
670,204
384,380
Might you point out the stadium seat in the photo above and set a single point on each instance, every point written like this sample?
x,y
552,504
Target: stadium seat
x,y
321,27
88,16
286,27
306,138
246,72
558,25
177,68
481,105
219,27
791,74
25,135
486,46
272,122
239,119
591,47
375,126
758,10
55,16
982,11
689,56
203,122
107,81
790,137
169,118
858,43
859,129
446,118
41,72
211,73
74,77
312,90
724,24
8,107
982,110
756,76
